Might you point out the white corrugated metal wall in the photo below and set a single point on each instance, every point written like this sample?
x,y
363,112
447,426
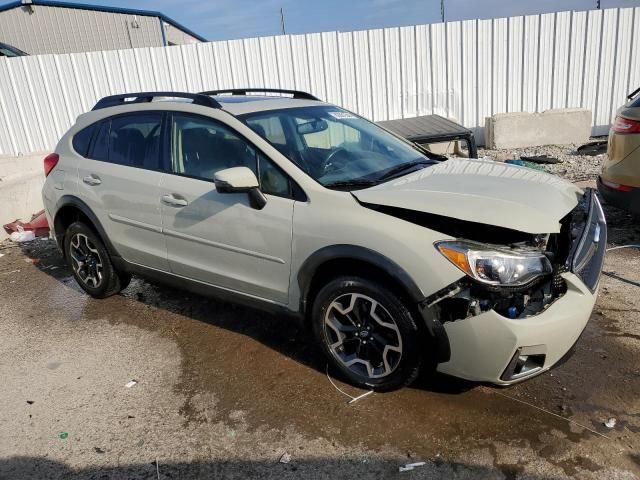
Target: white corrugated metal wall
x,y
468,70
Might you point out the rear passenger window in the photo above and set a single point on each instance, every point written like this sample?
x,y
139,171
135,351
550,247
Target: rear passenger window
x,y
134,140
99,149
82,139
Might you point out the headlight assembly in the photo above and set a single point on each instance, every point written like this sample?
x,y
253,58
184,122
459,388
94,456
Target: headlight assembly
x,y
494,266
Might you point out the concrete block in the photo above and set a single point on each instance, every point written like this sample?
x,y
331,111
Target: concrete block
x,y
21,180
551,127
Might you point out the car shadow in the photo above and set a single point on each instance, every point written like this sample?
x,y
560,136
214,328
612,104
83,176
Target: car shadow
x,y
39,468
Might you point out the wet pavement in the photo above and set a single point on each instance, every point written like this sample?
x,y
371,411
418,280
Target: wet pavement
x,y
225,391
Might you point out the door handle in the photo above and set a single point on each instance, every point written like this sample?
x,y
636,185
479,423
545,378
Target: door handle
x,y
174,201
92,180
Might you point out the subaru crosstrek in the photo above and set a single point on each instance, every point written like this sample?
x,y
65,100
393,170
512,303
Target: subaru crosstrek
x,y
397,259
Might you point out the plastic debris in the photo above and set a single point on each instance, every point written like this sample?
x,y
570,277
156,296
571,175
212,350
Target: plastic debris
x,y
410,466
544,159
38,226
1,255
593,148
63,435
351,397
523,163
9,273
355,399
285,458
610,423
131,383
23,236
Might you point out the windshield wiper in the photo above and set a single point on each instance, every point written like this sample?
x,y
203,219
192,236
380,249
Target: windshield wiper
x,y
358,183
400,169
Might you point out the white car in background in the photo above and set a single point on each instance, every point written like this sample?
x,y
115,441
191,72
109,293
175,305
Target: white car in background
x,y
399,260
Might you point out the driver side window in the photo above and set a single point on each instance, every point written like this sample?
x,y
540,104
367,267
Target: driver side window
x,y
200,147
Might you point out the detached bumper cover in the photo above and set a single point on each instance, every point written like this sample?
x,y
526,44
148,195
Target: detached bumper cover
x,y
482,347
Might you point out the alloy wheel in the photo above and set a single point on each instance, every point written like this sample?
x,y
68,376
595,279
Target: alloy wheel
x,y
362,335
86,260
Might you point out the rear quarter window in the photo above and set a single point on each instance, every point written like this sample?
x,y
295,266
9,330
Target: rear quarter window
x,y
82,139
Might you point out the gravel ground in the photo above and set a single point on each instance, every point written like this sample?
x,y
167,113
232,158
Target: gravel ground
x,y
225,392
573,166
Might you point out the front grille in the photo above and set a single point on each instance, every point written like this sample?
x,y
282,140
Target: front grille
x,y
589,229
558,285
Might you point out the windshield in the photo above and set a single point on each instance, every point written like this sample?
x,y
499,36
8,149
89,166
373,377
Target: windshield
x,y
335,147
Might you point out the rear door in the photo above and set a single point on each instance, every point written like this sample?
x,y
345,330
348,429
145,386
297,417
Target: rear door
x,y
120,182
218,238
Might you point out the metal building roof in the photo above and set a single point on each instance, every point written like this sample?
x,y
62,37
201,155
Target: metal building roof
x,y
85,6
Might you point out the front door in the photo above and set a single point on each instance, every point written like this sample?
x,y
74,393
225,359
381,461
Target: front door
x,y
218,238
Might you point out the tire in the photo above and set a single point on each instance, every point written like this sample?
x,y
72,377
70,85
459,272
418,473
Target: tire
x,y
363,336
89,261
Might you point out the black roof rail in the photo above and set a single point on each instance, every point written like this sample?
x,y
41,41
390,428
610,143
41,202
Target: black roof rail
x,y
144,97
244,91
633,94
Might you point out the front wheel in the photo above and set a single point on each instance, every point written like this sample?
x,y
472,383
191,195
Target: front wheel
x,y
368,334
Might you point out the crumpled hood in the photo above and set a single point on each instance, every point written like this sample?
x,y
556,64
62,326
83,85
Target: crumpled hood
x,y
481,191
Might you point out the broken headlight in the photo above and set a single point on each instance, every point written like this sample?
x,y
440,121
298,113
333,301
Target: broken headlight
x,y
495,266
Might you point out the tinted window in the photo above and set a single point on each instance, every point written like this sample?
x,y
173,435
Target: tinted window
x,y
200,147
272,180
82,139
134,140
99,149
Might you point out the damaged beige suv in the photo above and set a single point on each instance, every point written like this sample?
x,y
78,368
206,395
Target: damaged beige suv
x,y
398,260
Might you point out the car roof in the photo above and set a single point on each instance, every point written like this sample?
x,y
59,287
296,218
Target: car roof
x,y
237,104
243,104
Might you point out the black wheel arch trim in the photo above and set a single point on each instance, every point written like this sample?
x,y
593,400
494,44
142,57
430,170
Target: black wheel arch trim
x,y
354,252
73,201
397,273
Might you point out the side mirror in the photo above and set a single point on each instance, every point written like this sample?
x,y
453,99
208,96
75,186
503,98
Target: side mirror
x,y
240,180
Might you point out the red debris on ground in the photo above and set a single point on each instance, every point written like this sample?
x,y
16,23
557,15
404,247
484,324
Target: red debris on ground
x,y
38,225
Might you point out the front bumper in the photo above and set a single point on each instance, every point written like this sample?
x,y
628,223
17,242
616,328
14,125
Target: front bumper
x,y
482,347
486,347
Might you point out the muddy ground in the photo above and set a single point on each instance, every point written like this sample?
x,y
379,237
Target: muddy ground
x,y
224,391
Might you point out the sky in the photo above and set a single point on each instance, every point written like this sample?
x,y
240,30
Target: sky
x,y
230,19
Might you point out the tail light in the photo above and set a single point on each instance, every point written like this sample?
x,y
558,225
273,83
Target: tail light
x,y
50,162
617,186
626,125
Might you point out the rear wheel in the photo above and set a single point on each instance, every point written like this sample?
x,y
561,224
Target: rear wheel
x,y
90,263
368,334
